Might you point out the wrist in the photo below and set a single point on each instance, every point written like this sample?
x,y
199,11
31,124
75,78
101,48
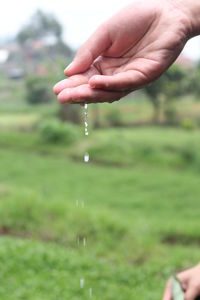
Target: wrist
x,y
191,10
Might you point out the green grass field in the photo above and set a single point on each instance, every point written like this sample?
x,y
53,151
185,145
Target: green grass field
x,y
141,194
141,216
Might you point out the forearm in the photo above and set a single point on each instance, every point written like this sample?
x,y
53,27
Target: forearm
x,y
191,9
194,8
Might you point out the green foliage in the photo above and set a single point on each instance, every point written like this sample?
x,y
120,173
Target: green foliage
x,y
137,180
141,147
189,154
70,113
193,82
114,118
55,131
37,90
175,82
170,86
170,113
188,124
125,219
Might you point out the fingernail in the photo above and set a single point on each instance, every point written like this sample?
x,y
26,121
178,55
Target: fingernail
x,y
56,88
92,85
69,67
93,82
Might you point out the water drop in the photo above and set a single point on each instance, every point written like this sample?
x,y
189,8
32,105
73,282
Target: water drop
x,y
84,242
86,157
86,119
82,282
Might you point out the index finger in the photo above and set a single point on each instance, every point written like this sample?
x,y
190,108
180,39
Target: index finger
x,y
84,93
98,43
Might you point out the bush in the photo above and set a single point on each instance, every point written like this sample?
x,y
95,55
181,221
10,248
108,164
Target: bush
x,y
188,124
70,113
54,131
114,118
188,154
171,115
38,90
114,151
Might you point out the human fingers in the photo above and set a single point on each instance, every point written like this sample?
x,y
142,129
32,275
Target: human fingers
x,y
168,291
190,283
129,80
192,292
85,93
75,80
93,47
134,76
71,82
184,278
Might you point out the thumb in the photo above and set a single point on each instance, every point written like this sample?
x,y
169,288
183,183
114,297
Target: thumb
x,y
93,47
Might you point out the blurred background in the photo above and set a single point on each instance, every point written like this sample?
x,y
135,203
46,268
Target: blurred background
x,y
135,205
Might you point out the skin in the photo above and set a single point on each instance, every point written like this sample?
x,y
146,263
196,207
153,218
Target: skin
x,y
190,281
127,52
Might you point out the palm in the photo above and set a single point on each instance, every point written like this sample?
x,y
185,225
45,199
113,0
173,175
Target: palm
x,y
137,54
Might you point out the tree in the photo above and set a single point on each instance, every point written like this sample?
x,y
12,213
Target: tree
x,y
47,30
40,26
166,90
193,82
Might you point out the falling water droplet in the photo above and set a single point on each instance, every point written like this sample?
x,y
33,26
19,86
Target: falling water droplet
x,y
86,157
90,292
84,242
86,119
82,282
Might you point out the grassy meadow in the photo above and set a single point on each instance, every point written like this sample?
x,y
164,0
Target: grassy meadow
x,y
140,218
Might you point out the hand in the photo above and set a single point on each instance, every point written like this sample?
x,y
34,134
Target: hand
x,y
127,52
190,281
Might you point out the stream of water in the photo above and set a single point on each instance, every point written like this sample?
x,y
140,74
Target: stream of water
x,y
83,240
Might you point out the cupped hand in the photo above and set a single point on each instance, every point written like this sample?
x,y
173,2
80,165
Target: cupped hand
x,y
127,52
190,281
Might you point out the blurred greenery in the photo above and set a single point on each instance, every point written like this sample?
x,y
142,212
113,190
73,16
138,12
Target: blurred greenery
x,y
169,87
37,90
140,190
141,222
54,131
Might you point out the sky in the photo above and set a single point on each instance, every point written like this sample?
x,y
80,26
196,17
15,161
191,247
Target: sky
x,y
78,17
